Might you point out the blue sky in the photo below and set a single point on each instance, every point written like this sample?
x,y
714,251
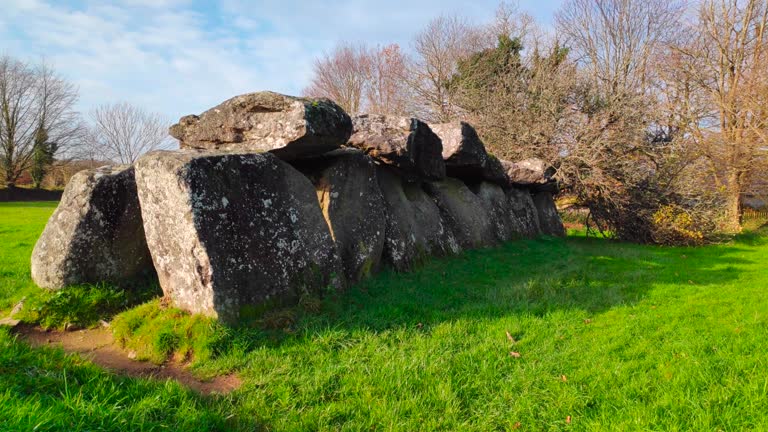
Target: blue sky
x,y
178,57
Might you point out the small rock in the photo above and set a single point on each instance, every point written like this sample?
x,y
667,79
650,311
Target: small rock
x,y
10,322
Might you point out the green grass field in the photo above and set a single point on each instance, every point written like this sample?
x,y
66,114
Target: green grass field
x,y
610,336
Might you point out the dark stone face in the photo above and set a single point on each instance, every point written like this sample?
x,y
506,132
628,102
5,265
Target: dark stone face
x,y
525,215
404,143
549,219
463,212
95,234
229,232
414,227
351,201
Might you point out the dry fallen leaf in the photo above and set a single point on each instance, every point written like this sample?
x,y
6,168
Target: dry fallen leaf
x,y
514,354
563,378
587,321
516,425
568,419
511,339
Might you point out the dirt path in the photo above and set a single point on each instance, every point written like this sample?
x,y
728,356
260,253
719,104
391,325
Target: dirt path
x,y
98,346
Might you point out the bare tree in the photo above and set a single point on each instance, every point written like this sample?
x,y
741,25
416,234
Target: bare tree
x,y
33,99
726,95
386,90
438,49
122,132
342,76
616,39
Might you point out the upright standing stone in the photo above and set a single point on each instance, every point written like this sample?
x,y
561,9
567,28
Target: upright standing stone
x,y
463,212
497,206
525,215
405,143
414,228
549,219
290,127
95,234
233,232
352,204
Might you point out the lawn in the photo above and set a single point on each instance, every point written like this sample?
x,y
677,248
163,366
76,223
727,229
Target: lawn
x,y
547,334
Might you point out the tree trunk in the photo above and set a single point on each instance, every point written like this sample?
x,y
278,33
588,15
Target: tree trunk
x,y
732,222
10,180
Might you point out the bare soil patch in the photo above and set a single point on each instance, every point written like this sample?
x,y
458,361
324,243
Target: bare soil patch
x,y
99,346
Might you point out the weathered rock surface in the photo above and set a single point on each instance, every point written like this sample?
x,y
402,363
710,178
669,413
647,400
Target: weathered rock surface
x,y
494,172
290,127
528,172
353,206
405,143
233,232
462,212
95,234
499,210
525,216
465,155
549,219
414,228
463,152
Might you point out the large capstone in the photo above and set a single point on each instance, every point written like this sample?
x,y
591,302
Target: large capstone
x,y
532,173
465,155
525,216
414,228
549,219
405,143
232,233
353,206
462,212
463,152
290,127
95,234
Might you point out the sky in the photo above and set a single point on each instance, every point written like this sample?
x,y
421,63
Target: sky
x,y
178,57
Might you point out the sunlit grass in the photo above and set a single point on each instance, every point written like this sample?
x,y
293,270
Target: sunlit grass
x,y
610,336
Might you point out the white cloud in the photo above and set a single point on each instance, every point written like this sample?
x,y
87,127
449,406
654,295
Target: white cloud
x,y
171,57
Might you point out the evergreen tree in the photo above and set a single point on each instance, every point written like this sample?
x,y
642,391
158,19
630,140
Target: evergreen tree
x,y
42,156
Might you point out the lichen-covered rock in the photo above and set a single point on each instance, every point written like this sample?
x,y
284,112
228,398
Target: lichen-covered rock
x,y
463,152
497,206
352,204
462,212
549,219
233,232
95,234
534,174
414,228
290,127
405,143
465,155
525,216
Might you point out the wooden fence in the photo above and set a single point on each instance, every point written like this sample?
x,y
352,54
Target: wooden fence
x,y
752,214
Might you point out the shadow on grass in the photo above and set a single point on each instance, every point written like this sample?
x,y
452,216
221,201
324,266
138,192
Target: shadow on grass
x,y
533,277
